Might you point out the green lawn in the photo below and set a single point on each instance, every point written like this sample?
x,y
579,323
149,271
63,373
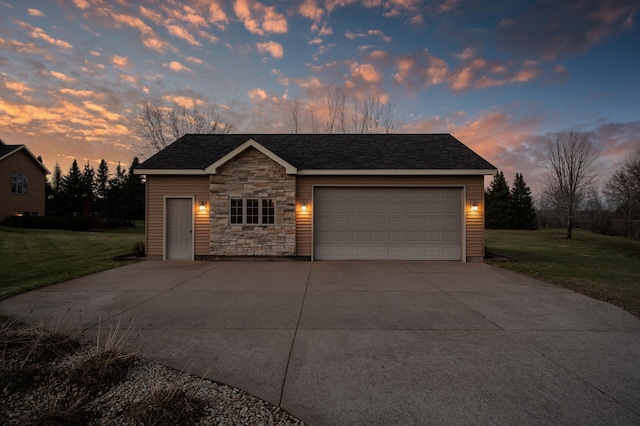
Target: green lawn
x,y
606,268
31,258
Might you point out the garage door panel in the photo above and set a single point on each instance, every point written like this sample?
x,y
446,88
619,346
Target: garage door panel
x,y
378,209
388,223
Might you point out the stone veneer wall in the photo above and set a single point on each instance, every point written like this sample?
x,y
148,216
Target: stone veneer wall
x,y
253,175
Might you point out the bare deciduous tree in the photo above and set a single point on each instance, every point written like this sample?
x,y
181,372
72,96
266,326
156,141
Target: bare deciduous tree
x,y
623,193
294,119
158,125
372,115
570,172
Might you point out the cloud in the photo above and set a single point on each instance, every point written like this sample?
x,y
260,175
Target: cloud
x,y
151,15
195,60
180,32
310,10
102,111
424,69
36,12
553,29
82,93
61,76
271,47
119,61
260,19
81,4
39,33
365,72
176,66
369,33
149,37
184,101
257,94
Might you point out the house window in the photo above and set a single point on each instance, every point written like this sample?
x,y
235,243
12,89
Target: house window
x,y
252,211
268,212
236,211
19,183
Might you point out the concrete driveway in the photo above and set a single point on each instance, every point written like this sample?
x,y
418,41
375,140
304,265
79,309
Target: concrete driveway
x,y
370,342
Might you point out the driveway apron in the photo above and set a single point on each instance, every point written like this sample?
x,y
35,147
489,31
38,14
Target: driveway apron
x,y
368,342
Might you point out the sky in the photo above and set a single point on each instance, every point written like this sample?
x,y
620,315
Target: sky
x,y
499,75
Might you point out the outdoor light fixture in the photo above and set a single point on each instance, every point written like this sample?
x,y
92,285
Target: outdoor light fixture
x,y
203,206
474,206
303,207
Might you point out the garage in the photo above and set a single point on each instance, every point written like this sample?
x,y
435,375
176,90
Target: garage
x,y
365,223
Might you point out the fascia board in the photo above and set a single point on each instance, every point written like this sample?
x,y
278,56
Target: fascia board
x,y
212,169
175,172
399,172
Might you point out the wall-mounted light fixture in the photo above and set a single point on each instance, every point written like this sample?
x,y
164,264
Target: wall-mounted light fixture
x,y
303,207
203,206
474,206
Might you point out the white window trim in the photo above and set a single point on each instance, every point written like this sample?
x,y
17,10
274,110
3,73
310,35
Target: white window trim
x,y
244,211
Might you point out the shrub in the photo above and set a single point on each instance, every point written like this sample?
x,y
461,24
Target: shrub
x,y
138,249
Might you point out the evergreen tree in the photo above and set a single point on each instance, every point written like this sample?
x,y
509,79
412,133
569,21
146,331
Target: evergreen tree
x,y
55,192
498,203
102,187
102,179
134,188
116,197
73,190
523,214
88,188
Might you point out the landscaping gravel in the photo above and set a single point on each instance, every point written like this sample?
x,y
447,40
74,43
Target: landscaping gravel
x,y
61,391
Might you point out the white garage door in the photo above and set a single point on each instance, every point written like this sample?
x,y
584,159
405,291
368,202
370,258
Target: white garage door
x,y
387,223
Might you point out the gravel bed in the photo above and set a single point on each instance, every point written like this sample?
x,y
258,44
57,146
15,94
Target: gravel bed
x,y
54,394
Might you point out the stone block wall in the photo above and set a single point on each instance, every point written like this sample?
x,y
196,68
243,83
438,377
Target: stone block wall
x,y
252,175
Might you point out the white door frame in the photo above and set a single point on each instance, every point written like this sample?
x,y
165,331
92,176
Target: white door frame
x,y
463,223
164,223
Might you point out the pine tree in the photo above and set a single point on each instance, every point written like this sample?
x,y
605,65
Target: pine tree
x,y
72,187
498,203
102,187
523,213
134,188
88,187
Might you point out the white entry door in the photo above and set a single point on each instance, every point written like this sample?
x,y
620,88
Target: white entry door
x,y
387,223
179,243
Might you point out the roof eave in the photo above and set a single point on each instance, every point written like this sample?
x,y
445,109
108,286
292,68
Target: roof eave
x,y
174,172
399,172
35,159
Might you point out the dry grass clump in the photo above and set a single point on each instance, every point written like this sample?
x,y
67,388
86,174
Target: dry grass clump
x,y
26,351
64,409
176,404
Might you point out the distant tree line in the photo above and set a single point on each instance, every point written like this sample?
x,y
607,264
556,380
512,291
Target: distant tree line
x,y
509,208
96,198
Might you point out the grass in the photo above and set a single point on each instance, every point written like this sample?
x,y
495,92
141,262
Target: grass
x,y
599,266
33,258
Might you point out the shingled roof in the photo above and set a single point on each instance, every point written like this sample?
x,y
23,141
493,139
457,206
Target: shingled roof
x,y
326,152
7,150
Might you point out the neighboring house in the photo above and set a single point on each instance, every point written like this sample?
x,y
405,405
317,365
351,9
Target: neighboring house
x,y
316,197
22,182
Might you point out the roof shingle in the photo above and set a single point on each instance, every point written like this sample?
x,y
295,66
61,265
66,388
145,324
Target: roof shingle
x,y
327,151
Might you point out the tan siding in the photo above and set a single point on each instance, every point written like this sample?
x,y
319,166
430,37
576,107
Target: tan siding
x,y
474,229
157,188
34,200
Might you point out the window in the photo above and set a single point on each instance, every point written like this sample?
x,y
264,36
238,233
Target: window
x,y
268,212
235,214
19,183
252,211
